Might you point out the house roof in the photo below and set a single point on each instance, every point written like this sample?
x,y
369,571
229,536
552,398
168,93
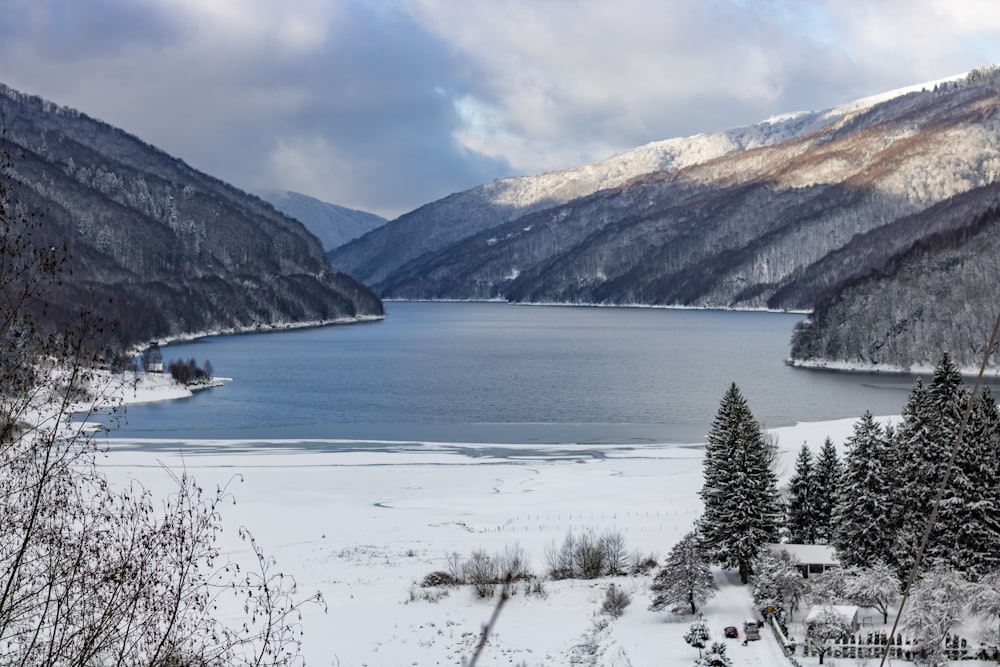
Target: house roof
x,y
847,611
816,554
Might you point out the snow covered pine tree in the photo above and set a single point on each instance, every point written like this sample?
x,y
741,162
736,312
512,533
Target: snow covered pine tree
x,y
740,489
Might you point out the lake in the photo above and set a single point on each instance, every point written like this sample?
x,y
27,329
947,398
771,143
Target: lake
x,y
501,373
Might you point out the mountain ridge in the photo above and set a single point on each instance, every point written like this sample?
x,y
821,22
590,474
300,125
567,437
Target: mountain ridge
x,y
503,200
770,224
173,250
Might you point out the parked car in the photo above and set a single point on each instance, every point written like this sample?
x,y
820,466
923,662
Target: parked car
x,y
731,632
751,631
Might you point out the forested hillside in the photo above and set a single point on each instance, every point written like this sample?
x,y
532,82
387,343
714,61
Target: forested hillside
x,y
921,293
158,247
735,231
437,225
778,217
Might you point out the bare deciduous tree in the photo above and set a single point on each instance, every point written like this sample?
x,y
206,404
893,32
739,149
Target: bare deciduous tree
x,y
91,573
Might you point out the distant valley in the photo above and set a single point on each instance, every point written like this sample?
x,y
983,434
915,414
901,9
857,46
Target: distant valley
x,y
333,225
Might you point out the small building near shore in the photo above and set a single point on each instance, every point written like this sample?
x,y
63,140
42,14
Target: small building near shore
x,y
152,359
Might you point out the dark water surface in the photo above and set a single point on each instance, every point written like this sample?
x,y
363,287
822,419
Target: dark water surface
x,y
498,373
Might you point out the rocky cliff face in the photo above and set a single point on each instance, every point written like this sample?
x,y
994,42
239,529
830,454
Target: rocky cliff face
x,y
165,249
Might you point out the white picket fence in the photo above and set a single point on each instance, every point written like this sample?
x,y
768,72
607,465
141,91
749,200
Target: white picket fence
x,y
873,645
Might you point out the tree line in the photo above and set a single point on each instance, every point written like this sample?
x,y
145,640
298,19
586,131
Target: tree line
x,y
872,506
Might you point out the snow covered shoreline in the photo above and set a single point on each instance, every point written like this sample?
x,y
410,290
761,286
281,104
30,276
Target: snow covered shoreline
x,y
259,328
364,526
915,370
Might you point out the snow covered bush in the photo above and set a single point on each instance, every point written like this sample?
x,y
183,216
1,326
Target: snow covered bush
x,y
439,578
715,657
934,608
616,601
587,556
985,595
698,634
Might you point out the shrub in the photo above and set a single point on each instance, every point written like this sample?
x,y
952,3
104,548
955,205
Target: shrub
x,y
482,572
615,601
439,578
534,586
615,556
639,564
428,595
587,556
514,562
455,567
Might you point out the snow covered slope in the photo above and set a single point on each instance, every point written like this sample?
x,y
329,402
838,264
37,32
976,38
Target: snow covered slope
x,y
436,225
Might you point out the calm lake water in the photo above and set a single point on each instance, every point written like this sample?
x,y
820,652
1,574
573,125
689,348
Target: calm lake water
x,y
498,373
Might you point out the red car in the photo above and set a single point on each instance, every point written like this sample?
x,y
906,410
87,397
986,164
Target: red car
x,y
731,632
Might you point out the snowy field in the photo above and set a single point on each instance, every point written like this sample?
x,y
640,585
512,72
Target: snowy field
x,y
363,527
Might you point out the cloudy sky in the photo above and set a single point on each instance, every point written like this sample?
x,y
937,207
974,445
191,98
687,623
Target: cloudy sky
x,y
384,105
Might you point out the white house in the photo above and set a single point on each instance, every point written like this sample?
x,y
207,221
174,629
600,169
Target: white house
x,y
810,558
848,612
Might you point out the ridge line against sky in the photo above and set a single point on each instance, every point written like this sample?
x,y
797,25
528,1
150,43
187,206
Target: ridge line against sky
x,y
385,105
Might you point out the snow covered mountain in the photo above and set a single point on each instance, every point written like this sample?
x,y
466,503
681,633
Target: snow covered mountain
x,y
775,215
459,216
333,225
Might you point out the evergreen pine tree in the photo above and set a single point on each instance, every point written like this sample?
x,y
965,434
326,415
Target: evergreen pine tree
x,y
740,490
715,657
801,515
685,582
864,525
931,422
827,473
967,536
913,429
698,634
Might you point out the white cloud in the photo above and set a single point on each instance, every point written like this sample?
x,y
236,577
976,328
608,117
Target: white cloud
x,y
601,74
306,164
251,25
388,104
605,76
